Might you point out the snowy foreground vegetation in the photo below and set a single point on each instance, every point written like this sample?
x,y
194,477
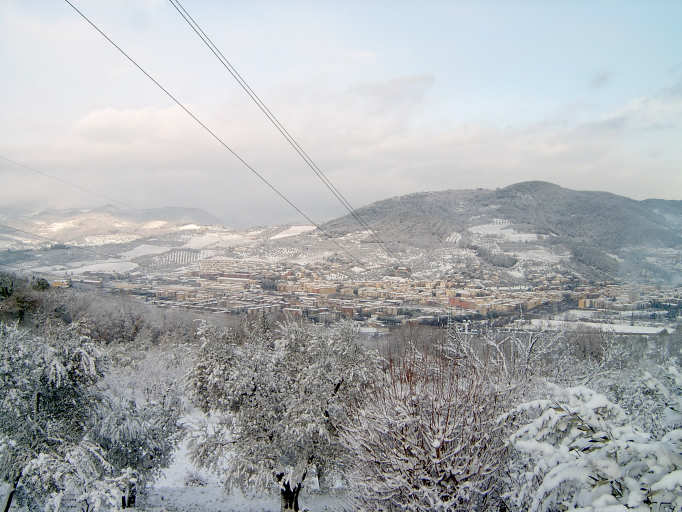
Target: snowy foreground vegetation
x,y
96,392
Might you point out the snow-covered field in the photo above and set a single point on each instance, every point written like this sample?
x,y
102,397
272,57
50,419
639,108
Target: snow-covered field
x,y
99,266
540,255
503,231
618,328
144,250
118,238
216,239
292,231
189,227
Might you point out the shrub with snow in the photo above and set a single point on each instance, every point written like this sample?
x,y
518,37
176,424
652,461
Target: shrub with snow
x,y
427,439
580,451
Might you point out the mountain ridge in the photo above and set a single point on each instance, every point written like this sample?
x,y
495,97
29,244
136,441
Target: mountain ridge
x,y
611,220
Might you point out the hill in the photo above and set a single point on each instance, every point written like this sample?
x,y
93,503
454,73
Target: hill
x,y
599,230
103,225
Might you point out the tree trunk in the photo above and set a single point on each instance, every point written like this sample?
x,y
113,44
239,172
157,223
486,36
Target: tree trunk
x,y
289,497
10,496
128,499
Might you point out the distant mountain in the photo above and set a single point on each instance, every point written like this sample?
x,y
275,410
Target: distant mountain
x,y
599,229
608,220
170,214
96,226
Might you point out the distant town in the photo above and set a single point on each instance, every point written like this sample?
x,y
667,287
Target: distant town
x,y
243,287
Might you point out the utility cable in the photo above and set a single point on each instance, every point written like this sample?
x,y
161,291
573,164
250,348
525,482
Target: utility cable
x,y
175,100
275,121
62,180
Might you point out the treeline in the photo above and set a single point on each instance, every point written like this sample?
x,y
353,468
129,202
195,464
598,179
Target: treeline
x,y
498,259
592,257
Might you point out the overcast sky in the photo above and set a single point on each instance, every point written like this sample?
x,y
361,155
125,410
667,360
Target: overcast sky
x,y
389,98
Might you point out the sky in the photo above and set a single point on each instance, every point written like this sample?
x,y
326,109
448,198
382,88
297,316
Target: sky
x,y
388,98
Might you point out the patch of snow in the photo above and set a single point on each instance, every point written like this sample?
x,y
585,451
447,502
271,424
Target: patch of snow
x,y
144,250
120,238
454,237
619,328
220,239
59,226
155,224
189,227
292,231
105,266
540,255
503,231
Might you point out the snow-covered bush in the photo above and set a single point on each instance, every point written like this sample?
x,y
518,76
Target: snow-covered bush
x,y
427,438
280,397
650,393
580,451
507,359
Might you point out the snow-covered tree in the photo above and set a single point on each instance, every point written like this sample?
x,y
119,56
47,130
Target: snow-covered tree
x,y
46,394
427,439
63,435
279,398
579,451
136,435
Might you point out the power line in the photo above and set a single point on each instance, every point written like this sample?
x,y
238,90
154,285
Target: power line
x,y
274,120
62,180
209,130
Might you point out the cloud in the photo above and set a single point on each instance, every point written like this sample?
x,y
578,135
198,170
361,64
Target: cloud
x,y
366,139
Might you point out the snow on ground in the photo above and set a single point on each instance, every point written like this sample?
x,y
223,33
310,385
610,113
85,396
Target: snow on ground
x,y
540,255
107,266
357,236
307,258
212,498
119,238
188,227
292,231
59,226
144,250
111,266
618,328
454,237
503,231
221,239
171,494
155,224
577,314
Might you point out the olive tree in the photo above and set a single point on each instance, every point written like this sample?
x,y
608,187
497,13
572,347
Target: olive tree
x,y
63,435
279,397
